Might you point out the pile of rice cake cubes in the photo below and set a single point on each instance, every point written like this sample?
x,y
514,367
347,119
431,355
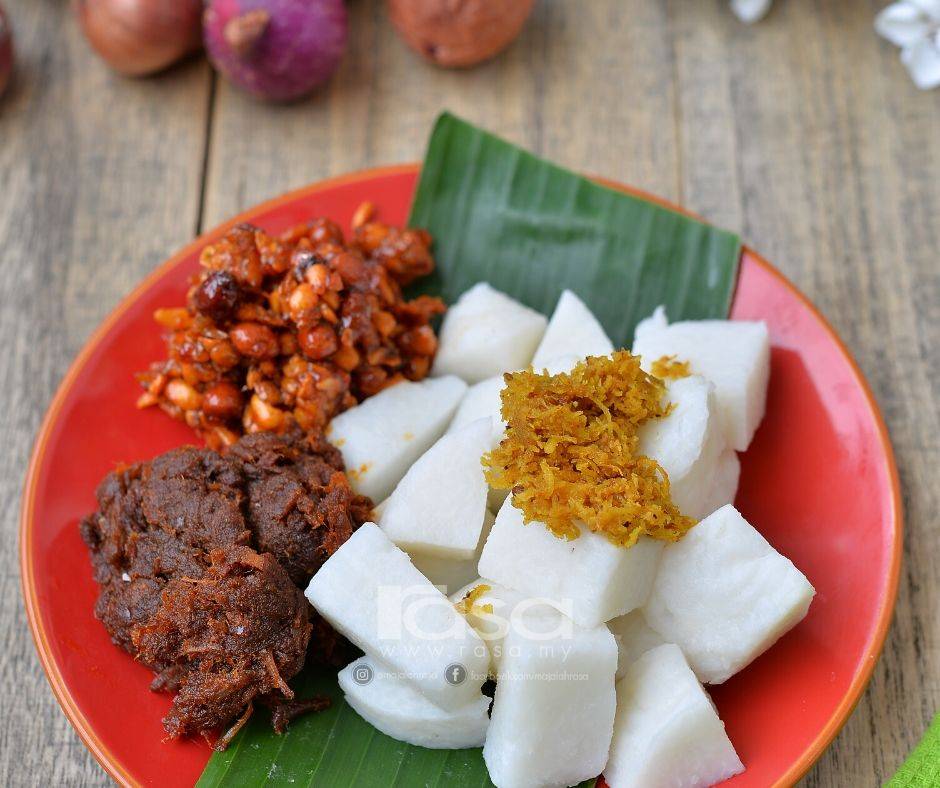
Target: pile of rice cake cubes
x,y
599,653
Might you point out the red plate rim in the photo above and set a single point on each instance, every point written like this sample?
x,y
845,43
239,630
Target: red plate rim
x,y
41,639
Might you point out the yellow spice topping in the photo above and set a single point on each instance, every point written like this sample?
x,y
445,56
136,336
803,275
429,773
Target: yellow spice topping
x,y
468,603
570,456
667,368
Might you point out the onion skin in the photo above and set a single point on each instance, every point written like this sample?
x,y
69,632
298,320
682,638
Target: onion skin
x,y
6,51
278,50
139,37
459,33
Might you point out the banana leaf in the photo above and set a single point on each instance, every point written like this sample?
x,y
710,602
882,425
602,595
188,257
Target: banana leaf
x,y
531,229
335,747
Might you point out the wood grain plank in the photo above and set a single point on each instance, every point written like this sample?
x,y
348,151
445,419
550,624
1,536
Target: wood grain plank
x,y
99,180
809,122
549,91
705,118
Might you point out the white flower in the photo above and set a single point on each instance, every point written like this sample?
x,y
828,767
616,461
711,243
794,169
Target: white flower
x,y
914,25
750,10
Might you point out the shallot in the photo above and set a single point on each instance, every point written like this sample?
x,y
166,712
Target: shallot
x,y
276,49
6,51
455,33
137,37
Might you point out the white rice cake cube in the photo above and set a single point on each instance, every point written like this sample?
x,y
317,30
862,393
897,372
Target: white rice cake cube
x,y
482,401
732,354
382,437
553,712
438,507
590,578
572,331
655,322
499,610
486,333
452,574
687,443
724,595
724,487
634,638
667,732
388,702
372,594
560,364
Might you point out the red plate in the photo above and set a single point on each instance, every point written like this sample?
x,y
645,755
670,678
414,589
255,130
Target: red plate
x,y
819,482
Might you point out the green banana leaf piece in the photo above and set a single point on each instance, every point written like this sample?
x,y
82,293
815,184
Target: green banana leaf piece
x,y
532,229
529,228
335,747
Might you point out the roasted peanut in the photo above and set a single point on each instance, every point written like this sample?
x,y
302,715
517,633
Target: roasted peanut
x,y
363,214
317,342
218,437
269,392
301,300
351,268
384,322
173,318
419,341
254,340
184,396
223,401
318,277
267,417
223,355
147,399
371,380
346,358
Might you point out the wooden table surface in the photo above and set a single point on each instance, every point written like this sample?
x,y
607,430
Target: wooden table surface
x,y
804,133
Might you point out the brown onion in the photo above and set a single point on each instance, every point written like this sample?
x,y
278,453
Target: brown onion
x,y
6,51
455,33
137,37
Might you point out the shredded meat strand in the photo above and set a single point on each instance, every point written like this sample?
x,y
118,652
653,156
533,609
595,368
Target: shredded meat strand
x,y
285,712
225,739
